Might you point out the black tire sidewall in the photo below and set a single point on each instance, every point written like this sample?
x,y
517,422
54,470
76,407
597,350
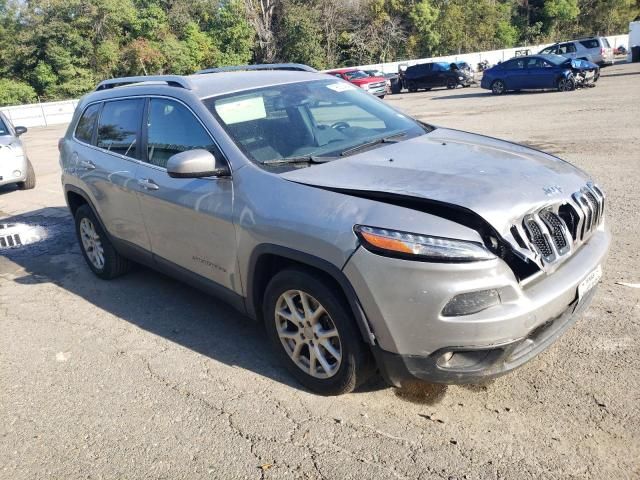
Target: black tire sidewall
x,y
354,367
504,87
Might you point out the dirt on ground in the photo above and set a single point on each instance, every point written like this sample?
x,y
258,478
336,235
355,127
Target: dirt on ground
x,y
144,377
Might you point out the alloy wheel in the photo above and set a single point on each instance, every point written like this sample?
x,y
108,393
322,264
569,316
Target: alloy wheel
x,y
92,243
308,334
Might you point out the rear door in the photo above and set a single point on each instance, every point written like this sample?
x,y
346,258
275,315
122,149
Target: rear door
x,y
105,158
189,220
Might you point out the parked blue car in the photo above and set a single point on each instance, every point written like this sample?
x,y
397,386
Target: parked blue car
x,y
530,73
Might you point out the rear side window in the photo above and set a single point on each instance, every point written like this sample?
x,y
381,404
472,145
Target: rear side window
x,y
566,48
119,127
549,50
172,129
591,43
87,123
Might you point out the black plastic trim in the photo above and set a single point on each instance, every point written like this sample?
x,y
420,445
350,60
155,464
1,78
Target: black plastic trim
x,y
334,272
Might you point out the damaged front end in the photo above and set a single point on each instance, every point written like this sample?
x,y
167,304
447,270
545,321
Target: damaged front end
x,y
585,73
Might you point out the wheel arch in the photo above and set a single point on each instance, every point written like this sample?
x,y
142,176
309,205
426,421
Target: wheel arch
x,y
75,198
267,260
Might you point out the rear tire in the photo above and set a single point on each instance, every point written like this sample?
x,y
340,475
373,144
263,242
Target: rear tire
x,y
314,333
498,87
97,249
30,181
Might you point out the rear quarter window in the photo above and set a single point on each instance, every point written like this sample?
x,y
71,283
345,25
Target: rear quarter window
x,y
87,123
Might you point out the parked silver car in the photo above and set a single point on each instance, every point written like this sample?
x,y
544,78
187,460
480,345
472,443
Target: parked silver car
x,y
15,166
359,236
593,49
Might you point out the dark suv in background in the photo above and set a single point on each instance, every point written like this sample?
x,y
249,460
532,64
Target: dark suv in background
x,y
432,75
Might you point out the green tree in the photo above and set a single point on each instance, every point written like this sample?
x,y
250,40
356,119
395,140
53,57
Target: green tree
x,y
14,92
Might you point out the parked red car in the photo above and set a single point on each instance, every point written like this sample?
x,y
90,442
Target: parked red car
x,y
374,85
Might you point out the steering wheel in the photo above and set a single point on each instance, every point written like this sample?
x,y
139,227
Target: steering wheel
x,y
340,125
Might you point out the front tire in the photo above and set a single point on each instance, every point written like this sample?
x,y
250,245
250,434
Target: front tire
x,y
97,250
566,84
451,84
30,181
313,332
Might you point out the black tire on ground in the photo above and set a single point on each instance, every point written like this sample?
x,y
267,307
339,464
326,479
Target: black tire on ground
x,y
412,87
115,264
356,365
396,87
380,97
498,87
30,181
566,84
451,84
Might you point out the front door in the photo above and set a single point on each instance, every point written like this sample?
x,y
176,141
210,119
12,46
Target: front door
x,y
189,220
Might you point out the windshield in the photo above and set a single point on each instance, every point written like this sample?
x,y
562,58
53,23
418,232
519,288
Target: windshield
x,y
356,74
3,128
322,118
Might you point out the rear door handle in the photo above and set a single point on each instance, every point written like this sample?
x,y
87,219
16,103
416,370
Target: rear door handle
x,y
87,165
148,184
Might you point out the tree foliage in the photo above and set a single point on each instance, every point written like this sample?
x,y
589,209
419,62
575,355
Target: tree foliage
x,y
62,48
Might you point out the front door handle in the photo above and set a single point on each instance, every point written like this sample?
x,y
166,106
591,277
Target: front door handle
x,y
87,165
148,184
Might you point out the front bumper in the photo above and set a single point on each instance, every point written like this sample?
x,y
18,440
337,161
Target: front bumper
x,y
13,168
477,365
403,301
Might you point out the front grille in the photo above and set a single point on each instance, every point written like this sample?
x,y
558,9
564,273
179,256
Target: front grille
x,y
377,85
534,232
554,231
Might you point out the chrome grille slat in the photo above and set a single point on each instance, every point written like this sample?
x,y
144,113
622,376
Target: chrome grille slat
x,y
556,230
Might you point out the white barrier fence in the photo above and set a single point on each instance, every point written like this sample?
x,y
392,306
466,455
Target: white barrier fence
x,y
54,113
41,114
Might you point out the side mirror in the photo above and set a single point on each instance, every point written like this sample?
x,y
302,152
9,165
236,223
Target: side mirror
x,y
196,163
20,131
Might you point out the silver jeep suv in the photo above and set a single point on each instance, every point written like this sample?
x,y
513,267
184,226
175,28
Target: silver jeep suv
x,y
361,237
593,49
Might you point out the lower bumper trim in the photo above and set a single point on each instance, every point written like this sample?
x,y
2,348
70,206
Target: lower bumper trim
x,y
469,365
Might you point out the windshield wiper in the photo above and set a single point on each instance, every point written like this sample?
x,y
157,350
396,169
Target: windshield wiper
x,y
302,159
372,143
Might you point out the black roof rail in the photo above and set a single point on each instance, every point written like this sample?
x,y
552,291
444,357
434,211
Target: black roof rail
x,y
170,80
297,67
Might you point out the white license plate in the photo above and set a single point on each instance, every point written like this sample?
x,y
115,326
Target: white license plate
x,y
589,282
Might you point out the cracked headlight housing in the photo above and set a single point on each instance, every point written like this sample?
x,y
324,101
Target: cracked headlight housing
x,y
415,246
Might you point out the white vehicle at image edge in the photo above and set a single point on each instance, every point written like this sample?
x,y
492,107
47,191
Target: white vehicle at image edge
x,y
15,166
362,238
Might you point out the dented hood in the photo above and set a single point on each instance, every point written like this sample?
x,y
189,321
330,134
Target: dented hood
x,y
498,180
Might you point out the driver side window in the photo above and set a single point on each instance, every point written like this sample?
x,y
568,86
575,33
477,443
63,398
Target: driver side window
x,y
172,129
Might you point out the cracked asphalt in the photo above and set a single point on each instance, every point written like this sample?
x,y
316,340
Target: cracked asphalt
x,y
144,377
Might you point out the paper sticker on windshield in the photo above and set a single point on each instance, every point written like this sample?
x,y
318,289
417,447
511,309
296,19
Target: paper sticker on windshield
x,y
341,87
242,110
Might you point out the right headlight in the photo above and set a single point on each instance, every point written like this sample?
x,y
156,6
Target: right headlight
x,y
414,246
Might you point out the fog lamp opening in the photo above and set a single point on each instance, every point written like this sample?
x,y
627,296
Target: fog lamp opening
x,y
17,173
471,302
